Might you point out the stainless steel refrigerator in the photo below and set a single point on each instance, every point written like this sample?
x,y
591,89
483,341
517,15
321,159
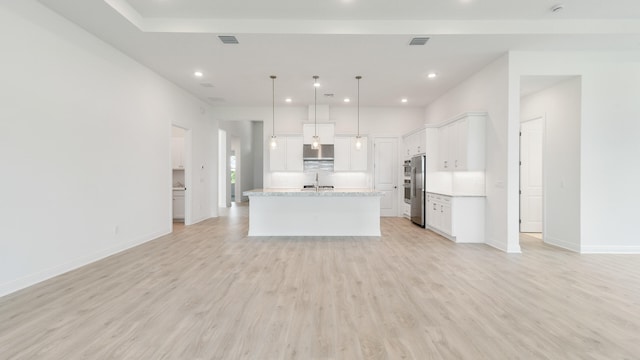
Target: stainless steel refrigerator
x,y
418,164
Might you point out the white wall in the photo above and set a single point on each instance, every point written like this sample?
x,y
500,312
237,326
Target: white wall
x,y
85,145
487,91
289,120
609,148
560,106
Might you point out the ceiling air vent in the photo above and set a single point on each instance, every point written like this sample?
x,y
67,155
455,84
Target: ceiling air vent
x,y
419,41
228,39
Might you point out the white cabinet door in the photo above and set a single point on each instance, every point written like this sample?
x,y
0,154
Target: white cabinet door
x,y
432,213
177,153
342,154
406,147
324,131
445,139
420,142
461,144
347,157
460,136
414,144
294,153
287,156
445,210
178,205
472,137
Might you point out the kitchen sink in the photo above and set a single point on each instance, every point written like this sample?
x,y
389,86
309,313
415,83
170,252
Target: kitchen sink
x,y
320,188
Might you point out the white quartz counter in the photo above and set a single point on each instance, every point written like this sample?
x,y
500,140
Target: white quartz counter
x,y
313,192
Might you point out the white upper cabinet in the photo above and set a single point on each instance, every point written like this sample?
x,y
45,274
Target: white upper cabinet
x,y
347,157
461,144
446,147
415,143
287,156
324,131
177,153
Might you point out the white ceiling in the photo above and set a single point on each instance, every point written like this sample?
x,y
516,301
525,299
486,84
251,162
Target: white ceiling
x,y
339,39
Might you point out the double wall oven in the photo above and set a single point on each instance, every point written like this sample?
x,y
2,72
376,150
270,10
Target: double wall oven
x,y
407,181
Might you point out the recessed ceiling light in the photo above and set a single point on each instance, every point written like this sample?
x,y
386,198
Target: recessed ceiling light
x,y
347,100
198,74
288,100
404,100
432,75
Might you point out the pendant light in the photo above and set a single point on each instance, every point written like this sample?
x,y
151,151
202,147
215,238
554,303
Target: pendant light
x,y
315,142
358,138
274,142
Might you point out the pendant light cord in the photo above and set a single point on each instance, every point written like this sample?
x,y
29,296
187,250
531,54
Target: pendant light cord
x,y
358,77
315,106
273,105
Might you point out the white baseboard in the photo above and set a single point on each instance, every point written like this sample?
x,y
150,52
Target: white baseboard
x,y
561,243
501,246
29,280
610,249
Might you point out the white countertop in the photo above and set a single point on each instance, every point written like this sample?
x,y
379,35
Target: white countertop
x,y
454,195
313,192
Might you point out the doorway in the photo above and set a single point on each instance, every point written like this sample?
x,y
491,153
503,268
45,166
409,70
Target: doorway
x,y
531,177
232,175
550,181
223,194
385,175
180,175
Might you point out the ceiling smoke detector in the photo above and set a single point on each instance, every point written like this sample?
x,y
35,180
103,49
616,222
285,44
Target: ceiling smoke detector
x,y
557,8
419,41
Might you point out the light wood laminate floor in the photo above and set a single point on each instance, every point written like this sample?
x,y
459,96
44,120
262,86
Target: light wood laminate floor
x,y
208,291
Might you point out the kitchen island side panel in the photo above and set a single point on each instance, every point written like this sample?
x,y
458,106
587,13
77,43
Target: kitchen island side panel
x,y
314,216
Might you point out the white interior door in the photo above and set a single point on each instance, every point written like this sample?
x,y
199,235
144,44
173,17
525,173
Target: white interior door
x,y
386,172
531,141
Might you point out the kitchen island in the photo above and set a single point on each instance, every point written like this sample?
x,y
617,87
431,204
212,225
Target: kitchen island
x,y
311,212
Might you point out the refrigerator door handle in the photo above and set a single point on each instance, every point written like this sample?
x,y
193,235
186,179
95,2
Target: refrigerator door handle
x,y
413,182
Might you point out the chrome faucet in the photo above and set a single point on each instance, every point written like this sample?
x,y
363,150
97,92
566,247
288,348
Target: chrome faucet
x,y
316,184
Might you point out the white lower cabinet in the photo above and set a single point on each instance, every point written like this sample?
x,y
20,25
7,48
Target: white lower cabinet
x,y
459,218
178,204
439,212
406,210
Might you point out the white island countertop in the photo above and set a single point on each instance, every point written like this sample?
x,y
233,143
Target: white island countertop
x,y
313,192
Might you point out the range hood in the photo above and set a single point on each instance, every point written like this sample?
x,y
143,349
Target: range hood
x,y
324,152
